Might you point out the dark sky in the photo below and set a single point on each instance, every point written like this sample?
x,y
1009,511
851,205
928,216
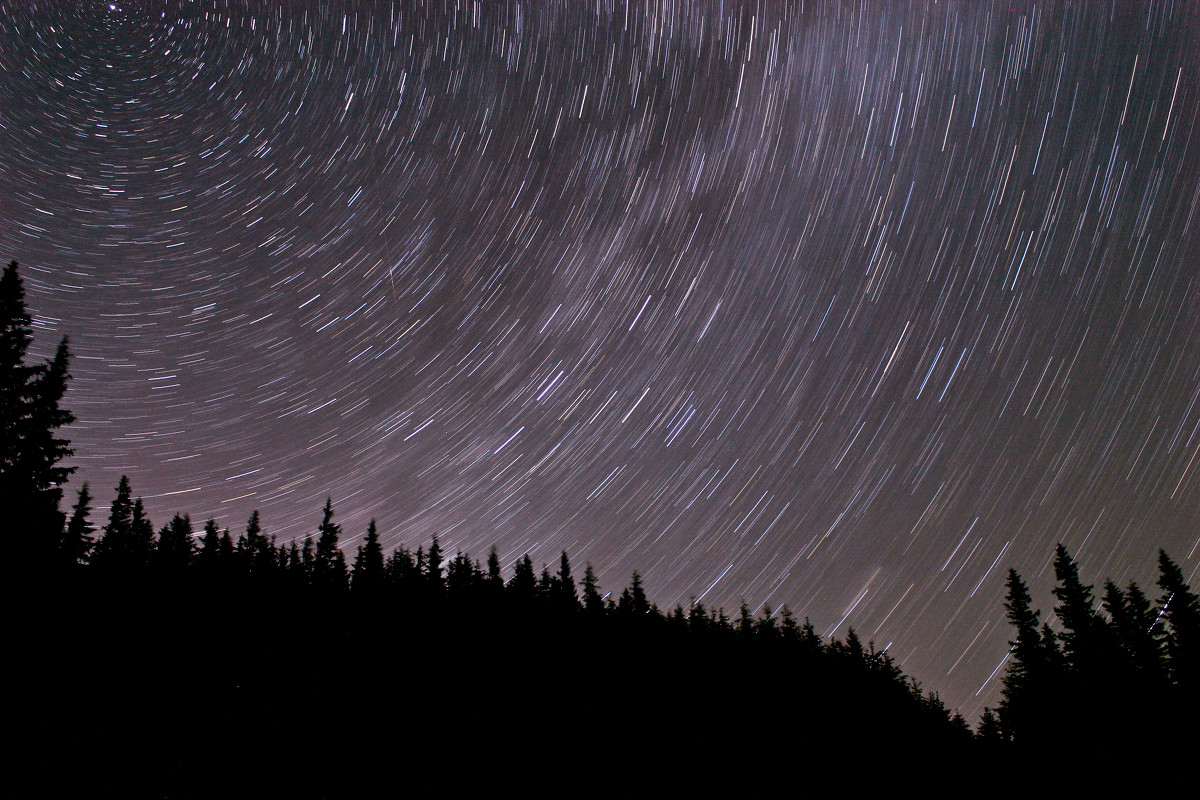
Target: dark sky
x,y
845,306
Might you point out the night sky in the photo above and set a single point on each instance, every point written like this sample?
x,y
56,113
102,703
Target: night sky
x,y
845,306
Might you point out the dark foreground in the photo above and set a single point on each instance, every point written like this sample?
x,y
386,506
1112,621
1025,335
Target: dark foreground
x,y
184,694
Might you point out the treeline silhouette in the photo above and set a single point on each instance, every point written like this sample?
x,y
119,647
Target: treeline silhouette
x,y
1120,681
184,663
420,652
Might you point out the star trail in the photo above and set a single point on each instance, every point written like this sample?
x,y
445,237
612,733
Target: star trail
x,y
844,306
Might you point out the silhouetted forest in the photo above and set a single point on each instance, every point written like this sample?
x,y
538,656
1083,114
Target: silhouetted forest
x,y
176,662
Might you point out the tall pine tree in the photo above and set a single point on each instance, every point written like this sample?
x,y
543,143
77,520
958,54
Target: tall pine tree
x,y
16,333
1029,682
76,544
522,587
31,415
367,577
113,549
175,549
1083,630
255,552
1136,630
564,586
1181,608
329,563
593,601
434,579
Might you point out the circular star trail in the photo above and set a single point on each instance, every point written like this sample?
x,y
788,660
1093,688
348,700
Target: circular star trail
x,y
845,306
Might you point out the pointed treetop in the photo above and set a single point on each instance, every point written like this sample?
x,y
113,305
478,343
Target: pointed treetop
x,y
77,538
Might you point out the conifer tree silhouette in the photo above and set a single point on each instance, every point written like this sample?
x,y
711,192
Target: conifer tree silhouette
x,y
254,551
1083,632
637,595
403,574
31,472
16,334
547,587
593,602
434,580
1029,682
77,541
462,577
208,558
989,730
745,620
113,550
367,575
788,629
300,558
142,543
564,586
39,466
494,581
176,546
329,563
522,587
810,640
305,567
1181,609
765,625
1137,632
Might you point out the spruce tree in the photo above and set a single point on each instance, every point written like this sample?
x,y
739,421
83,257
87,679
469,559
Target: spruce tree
x,y
745,620
565,597
637,593
462,577
546,586
1144,633
624,605
255,552
329,563
208,559
433,568
16,333
810,640
127,544
31,472
989,730
113,549
494,581
764,626
1181,609
1028,680
281,559
298,574
227,553
593,601
141,537
39,465
523,585
788,629
419,583
77,541
401,571
367,576
853,648
1136,630
1082,636
175,548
